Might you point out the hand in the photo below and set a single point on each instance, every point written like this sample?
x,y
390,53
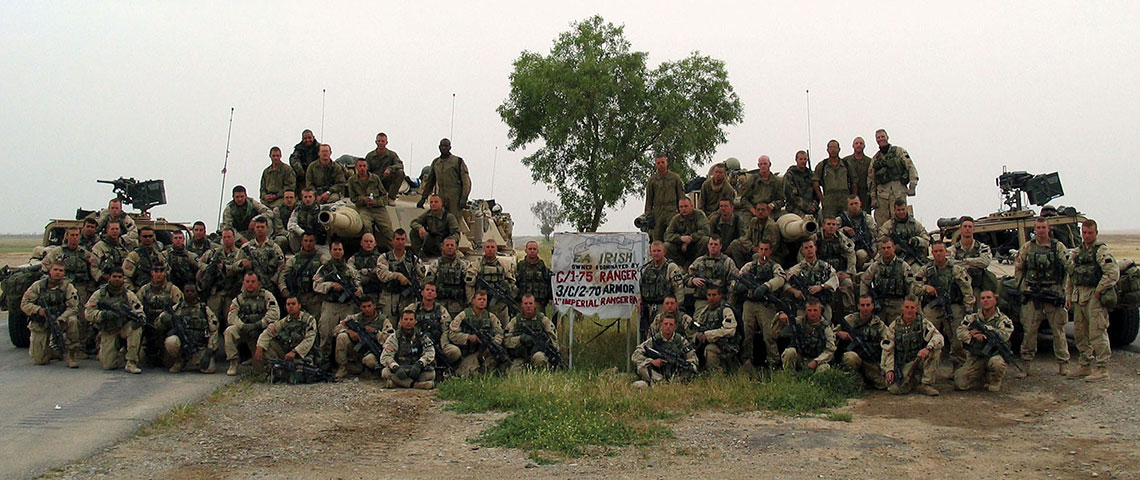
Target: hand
x,y
761,291
924,353
387,171
42,312
699,282
402,279
798,294
290,355
814,289
657,362
246,264
420,204
843,335
842,276
369,201
423,232
910,191
914,242
285,292
370,329
812,364
891,376
335,286
259,354
323,197
686,239
701,337
473,339
978,336
783,317
849,231
353,335
1069,303
930,290
359,292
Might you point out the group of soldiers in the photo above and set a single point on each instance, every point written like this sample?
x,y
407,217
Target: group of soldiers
x,y
874,288
402,311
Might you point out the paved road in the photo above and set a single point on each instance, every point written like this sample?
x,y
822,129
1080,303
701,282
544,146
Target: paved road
x,y
53,415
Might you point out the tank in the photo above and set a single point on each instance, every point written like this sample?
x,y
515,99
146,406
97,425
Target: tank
x,y
794,228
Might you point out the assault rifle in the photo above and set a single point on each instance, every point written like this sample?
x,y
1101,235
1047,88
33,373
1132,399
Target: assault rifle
x,y
213,274
672,362
347,289
943,300
542,341
497,294
908,250
751,284
57,338
433,327
368,342
799,337
125,314
486,341
994,344
799,282
1038,294
867,349
861,238
414,289
296,372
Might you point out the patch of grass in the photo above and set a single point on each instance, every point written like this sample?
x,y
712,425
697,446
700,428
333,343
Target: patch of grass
x,y
180,414
838,416
570,412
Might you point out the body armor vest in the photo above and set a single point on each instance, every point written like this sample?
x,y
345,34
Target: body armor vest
x,y
265,263
831,251
814,340
115,253
889,281
241,215
147,257
943,278
449,277
1043,265
251,307
1086,270
961,255
409,348
429,322
304,267
655,283
196,319
406,266
53,300
157,300
905,230
714,271
535,280
890,167
761,274
182,269
909,339
75,264
291,332
366,261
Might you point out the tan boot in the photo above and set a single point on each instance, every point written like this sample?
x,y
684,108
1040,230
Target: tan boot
x,y
341,373
424,385
1063,369
210,368
1099,373
70,359
993,387
132,368
233,370
929,391
177,367
1024,372
1081,371
893,389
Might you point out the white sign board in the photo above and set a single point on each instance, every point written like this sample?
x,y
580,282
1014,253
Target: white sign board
x,y
597,273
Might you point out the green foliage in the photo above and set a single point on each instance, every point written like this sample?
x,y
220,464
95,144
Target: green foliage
x,y
838,416
600,114
549,215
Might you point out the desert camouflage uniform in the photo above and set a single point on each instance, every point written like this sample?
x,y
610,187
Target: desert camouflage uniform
x,y
890,177
818,345
202,326
238,217
888,283
348,355
61,300
288,334
677,346
299,270
475,357
249,314
524,350
113,329
718,323
977,364
1043,267
951,276
404,349
757,314
901,344
872,330
1091,273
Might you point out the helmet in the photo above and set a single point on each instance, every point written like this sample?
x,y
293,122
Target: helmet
x,y
732,163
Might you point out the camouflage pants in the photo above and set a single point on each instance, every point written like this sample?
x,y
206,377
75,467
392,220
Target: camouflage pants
x,y
536,360
993,368
714,358
392,304
652,375
892,310
237,335
872,372
109,356
884,198
480,362
1090,327
792,360
1031,317
331,314
376,221
174,353
347,355
948,326
426,375
918,370
684,257
310,302
39,348
757,316
453,306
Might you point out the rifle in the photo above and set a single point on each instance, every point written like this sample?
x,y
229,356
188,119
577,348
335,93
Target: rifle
x,y
861,237
672,362
212,274
943,301
125,314
431,325
188,345
498,294
367,341
866,349
486,341
1038,294
994,344
414,289
296,372
907,249
57,338
800,283
799,337
347,289
542,341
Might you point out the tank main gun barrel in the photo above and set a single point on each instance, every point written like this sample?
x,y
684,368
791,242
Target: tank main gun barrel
x,y
793,227
341,220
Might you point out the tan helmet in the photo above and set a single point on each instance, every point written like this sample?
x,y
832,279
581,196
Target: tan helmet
x,y
732,163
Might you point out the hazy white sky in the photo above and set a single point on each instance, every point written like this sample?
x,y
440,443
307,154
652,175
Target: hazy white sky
x,y
106,89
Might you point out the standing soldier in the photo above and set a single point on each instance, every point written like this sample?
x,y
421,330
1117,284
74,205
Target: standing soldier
x,y
183,263
687,235
978,362
1090,283
860,164
199,242
305,220
1040,273
137,264
946,287
975,256
348,352
759,310
761,228
52,299
114,214
398,272
659,278
799,190
912,348
109,252
325,177
762,187
250,312
476,357
240,212
864,324
288,337
367,193
365,262
283,214
201,330
453,278
812,278
106,309
861,228
710,271
387,165
727,225
811,338
534,277
715,189
276,179
159,299
221,278
409,356
82,270
834,182
262,256
907,233
304,154
839,252
432,227
662,192
664,356
520,336
447,177
490,274
340,285
888,280
434,320
891,177
714,327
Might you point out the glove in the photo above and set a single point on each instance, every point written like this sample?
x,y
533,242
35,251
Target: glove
x,y
414,371
402,373
760,291
740,288
420,204
526,340
111,316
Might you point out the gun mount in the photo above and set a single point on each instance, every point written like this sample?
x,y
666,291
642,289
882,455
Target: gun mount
x,y
1040,189
143,195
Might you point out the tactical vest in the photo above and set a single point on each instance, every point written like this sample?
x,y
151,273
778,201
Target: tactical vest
x,y
196,319
406,266
75,264
493,272
909,339
890,167
831,251
655,283
481,322
199,248
265,263
429,322
230,282
292,331
534,324
366,261
943,278
889,280
713,319
534,280
1043,265
449,279
978,348
814,340
761,274
113,257
817,274
905,230
715,273
437,225
251,307
241,215
409,348
147,257
304,267
332,269
53,300
182,268
1087,271
157,300
113,300
961,255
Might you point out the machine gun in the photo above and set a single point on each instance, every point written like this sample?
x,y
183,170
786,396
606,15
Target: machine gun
x,y
861,237
497,294
868,350
1038,294
672,362
994,344
1040,188
296,372
486,341
143,195
57,338
542,342
367,343
125,314
908,250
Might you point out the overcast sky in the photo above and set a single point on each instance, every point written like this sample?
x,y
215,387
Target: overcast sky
x,y
144,89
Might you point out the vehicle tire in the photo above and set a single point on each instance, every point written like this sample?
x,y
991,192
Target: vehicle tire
x,y
18,328
1123,325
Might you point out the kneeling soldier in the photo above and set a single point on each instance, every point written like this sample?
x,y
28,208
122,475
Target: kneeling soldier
x,y
524,336
409,356
252,310
348,352
289,337
911,345
864,342
107,309
974,340
434,320
477,356
664,356
811,338
53,297
200,326
714,327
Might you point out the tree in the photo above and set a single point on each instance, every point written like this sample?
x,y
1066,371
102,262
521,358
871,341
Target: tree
x,y
601,114
549,215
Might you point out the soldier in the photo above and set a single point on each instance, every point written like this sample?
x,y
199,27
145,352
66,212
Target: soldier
x,y
434,320
834,182
811,338
221,278
708,271
304,154
114,214
240,212
659,278
449,178
476,357
812,278
949,297
977,362
912,348
430,228
667,344
366,261
888,280
326,178
109,252
762,187
137,264
452,278
727,225
82,269
860,163
276,179
761,228
891,177
262,256
53,296
759,310
869,329
340,285
490,274
288,337
1091,279
715,189
367,193
519,338
89,233
399,276
1040,272
199,242
183,263
106,309
904,229
838,251
159,299
283,213
861,228
409,356
662,192
798,190
305,219
201,327
250,312
387,165
714,328
687,235
670,307
975,256
533,278
348,352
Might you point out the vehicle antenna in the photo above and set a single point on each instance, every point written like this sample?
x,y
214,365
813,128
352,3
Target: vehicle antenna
x,y
322,113
807,96
225,167
452,134
494,165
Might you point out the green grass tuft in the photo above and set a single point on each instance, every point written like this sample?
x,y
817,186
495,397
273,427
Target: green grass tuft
x,y
838,416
